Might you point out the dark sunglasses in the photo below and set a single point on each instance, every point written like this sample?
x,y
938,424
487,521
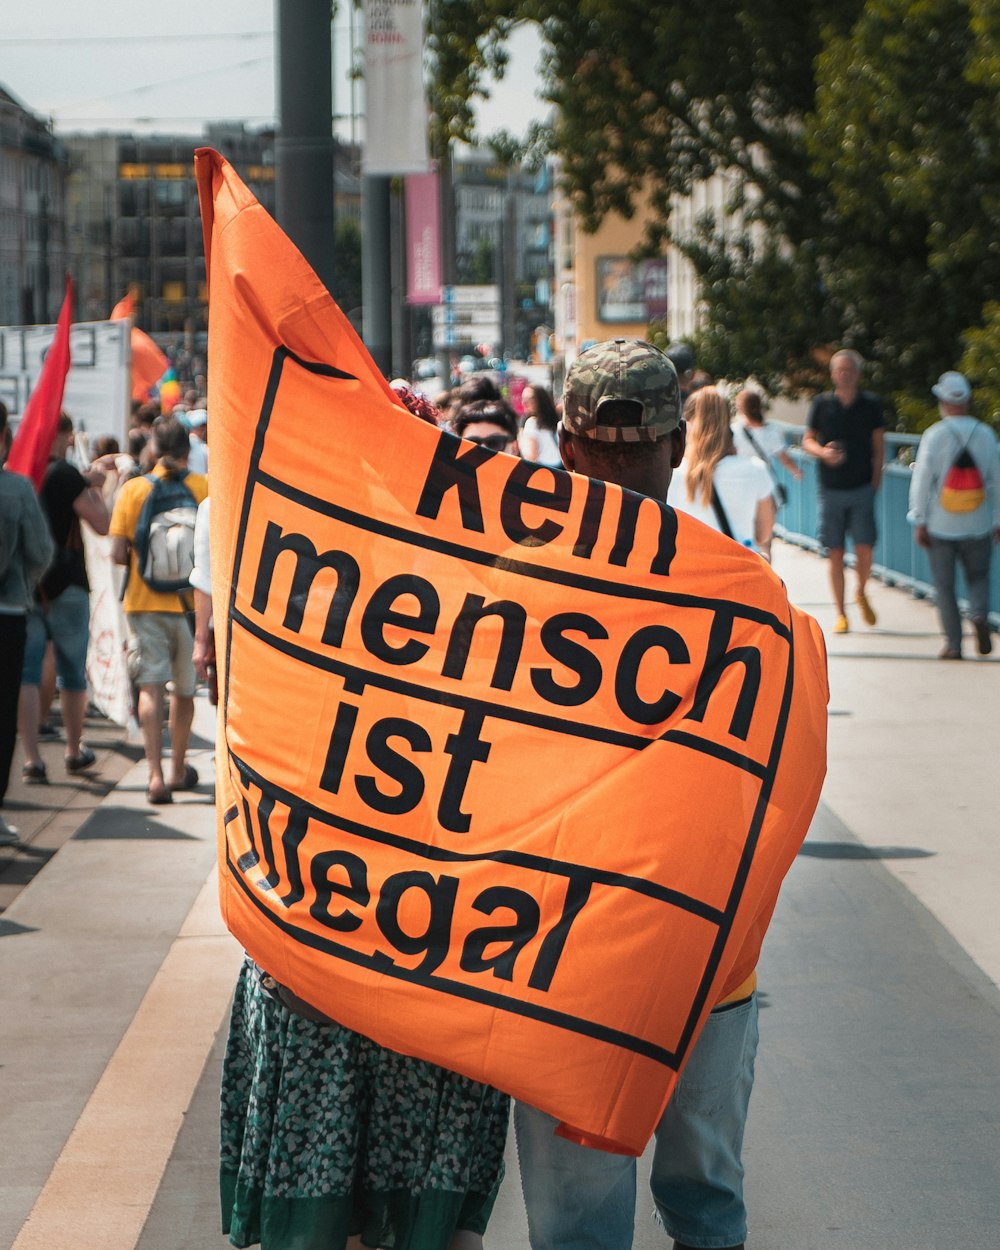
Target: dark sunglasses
x,y
493,442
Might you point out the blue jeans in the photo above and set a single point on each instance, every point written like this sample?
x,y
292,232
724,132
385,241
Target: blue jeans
x,y
67,623
580,1199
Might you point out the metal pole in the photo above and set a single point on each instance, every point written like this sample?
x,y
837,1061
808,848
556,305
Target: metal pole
x,y
304,146
402,354
449,267
376,270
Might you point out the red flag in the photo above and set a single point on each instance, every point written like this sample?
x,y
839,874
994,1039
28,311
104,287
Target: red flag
x,y
36,433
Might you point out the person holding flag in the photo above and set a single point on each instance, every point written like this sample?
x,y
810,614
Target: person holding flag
x,y
440,791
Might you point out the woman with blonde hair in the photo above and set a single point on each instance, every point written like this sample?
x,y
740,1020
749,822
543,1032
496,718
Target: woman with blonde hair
x,y
730,493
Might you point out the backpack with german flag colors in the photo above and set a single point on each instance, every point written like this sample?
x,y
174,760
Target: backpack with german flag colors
x,y
963,489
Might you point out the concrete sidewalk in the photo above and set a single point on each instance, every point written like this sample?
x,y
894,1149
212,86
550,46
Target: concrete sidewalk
x,y
876,1110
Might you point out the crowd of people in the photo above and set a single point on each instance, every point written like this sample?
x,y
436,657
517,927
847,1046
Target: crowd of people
x,y
320,1123
729,476
45,594
310,1161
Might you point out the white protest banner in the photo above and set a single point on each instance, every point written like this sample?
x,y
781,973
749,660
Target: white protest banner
x,y
107,675
99,384
106,671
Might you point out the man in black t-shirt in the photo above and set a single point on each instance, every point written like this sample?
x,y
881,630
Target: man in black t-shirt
x,y
846,434
61,614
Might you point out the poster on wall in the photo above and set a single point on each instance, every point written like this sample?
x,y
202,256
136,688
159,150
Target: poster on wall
x,y
631,291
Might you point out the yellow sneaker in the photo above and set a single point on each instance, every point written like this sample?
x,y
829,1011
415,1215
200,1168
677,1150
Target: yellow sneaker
x,y
841,626
866,609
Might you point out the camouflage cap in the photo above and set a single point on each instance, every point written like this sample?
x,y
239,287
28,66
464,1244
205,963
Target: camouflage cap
x,y
622,369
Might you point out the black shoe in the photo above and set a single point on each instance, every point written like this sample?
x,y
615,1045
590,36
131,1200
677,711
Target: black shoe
x,y
984,641
35,775
48,732
679,1245
80,763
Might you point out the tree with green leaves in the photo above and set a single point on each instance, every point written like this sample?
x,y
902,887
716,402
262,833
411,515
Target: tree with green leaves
x,y
862,139
910,174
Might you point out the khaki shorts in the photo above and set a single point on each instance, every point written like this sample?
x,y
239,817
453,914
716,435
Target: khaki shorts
x,y
159,647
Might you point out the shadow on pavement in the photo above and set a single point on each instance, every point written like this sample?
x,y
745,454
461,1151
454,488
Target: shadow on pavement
x,y
854,850
126,824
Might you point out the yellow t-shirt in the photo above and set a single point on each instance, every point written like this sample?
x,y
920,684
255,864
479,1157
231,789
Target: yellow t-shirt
x,y
125,519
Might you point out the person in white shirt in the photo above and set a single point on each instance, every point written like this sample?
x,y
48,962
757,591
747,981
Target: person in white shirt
x,y
957,522
730,493
537,439
196,423
203,654
753,436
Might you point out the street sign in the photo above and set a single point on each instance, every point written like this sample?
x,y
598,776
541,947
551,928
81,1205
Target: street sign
x,y
448,336
471,295
463,314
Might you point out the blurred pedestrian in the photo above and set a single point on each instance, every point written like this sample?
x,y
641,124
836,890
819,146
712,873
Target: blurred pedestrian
x,y
161,641
196,424
754,435
845,432
538,440
681,356
26,547
733,494
955,510
131,462
107,452
490,422
61,614
203,655
415,402
479,386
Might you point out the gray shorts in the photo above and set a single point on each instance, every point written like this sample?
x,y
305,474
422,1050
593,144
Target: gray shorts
x,y
843,512
159,647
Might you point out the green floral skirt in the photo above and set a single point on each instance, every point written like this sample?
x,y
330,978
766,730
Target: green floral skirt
x,y
325,1134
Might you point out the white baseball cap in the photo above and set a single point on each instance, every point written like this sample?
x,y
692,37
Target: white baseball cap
x,y
952,388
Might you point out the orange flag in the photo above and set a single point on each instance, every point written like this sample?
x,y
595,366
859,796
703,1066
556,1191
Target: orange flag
x,y
29,453
511,763
148,363
125,307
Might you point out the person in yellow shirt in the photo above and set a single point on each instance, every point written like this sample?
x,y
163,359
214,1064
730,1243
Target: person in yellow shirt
x,y
160,638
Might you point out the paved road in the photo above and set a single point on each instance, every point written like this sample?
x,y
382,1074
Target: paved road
x,y
876,1113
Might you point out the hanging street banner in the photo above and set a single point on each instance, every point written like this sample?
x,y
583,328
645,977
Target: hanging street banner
x,y
511,763
395,104
423,239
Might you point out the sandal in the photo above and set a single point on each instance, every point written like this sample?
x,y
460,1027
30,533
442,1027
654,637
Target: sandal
x,y
158,797
188,781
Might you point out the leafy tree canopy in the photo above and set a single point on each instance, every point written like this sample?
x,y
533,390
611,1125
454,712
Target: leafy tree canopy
x,y
865,138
